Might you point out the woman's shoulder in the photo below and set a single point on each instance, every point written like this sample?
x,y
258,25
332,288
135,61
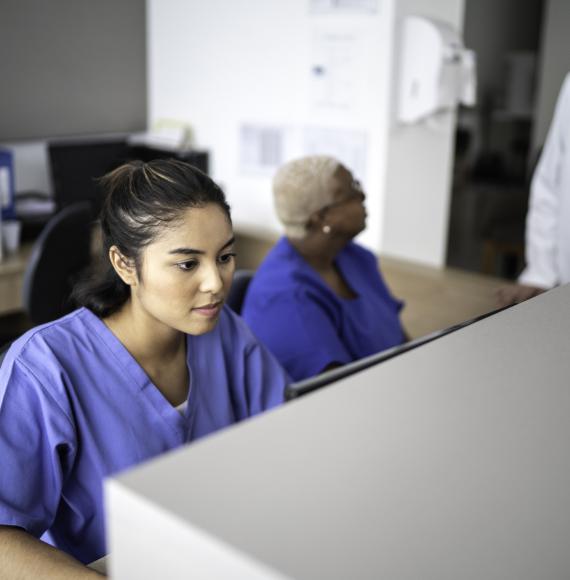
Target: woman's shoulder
x,y
279,261
55,339
283,273
273,296
357,251
40,360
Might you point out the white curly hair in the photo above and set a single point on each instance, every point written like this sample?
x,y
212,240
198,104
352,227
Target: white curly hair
x,y
300,188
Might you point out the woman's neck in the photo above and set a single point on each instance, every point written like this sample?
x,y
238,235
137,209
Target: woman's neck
x,y
150,342
318,251
159,350
322,259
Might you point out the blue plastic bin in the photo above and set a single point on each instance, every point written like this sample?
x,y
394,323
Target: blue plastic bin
x,y
7,184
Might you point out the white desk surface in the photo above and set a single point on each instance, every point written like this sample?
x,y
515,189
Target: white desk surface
x,y
448,462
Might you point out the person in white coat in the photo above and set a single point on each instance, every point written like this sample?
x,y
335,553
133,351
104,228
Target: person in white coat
x,y
547,245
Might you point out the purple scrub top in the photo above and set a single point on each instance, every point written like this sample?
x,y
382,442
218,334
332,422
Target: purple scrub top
x,y
291,309
75,407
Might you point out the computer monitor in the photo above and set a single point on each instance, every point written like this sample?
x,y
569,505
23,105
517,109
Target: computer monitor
x,y
199,159
298,389
76,165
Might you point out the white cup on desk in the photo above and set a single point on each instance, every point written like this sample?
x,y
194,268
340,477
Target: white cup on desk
x,y
11,231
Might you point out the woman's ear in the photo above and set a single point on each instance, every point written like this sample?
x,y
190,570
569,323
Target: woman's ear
x,y
316,221
124,267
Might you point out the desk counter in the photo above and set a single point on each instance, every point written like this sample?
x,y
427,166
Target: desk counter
x,y
448,462
12,269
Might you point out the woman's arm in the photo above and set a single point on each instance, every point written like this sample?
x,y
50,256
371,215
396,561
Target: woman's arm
x,y
24,557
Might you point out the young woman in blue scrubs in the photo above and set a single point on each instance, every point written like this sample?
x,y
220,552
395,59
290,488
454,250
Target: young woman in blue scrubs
x,y
152,360
318,300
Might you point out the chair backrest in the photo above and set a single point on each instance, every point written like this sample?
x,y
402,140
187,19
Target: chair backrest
x,y
242,278
61,252
3,350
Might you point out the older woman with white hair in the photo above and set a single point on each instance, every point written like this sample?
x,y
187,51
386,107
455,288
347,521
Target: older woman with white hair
x,y
318,300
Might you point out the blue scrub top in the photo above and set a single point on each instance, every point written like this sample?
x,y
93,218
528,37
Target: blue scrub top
x,y
76,407
306,325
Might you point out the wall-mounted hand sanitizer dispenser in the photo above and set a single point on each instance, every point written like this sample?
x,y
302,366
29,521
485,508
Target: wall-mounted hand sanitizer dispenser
x,y
437,71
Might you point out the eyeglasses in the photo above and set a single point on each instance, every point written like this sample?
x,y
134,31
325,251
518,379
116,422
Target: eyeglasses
x,y
356,192
357,189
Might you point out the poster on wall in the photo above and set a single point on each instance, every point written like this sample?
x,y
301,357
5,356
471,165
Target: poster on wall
x,y
339,74
348,146
331,6
261,148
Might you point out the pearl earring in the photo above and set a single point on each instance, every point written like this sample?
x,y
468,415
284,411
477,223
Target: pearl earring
x,y
326,229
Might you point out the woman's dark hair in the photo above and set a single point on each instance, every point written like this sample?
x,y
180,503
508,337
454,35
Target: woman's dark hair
x,y
140,200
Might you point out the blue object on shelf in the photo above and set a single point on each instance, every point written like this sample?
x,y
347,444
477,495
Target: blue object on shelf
x,y
7,202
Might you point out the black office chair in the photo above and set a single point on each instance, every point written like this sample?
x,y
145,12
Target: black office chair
x,y
3,350
60,254
242,278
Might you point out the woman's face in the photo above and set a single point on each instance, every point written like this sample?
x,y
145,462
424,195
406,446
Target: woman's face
x,y
187,271
346,214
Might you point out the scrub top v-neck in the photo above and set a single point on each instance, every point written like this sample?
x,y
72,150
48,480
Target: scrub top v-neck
x,y
142,387
76,407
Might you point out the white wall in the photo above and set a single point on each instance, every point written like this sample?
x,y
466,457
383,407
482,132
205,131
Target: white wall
x,y
219,64
553,66
71,68
420,163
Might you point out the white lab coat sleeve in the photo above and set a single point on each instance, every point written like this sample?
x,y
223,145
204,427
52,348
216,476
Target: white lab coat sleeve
x,y
542,224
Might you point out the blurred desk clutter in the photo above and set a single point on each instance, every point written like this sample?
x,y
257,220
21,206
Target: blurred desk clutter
x,y
30,205
11,231
33,209
12,278
72,167
13,319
